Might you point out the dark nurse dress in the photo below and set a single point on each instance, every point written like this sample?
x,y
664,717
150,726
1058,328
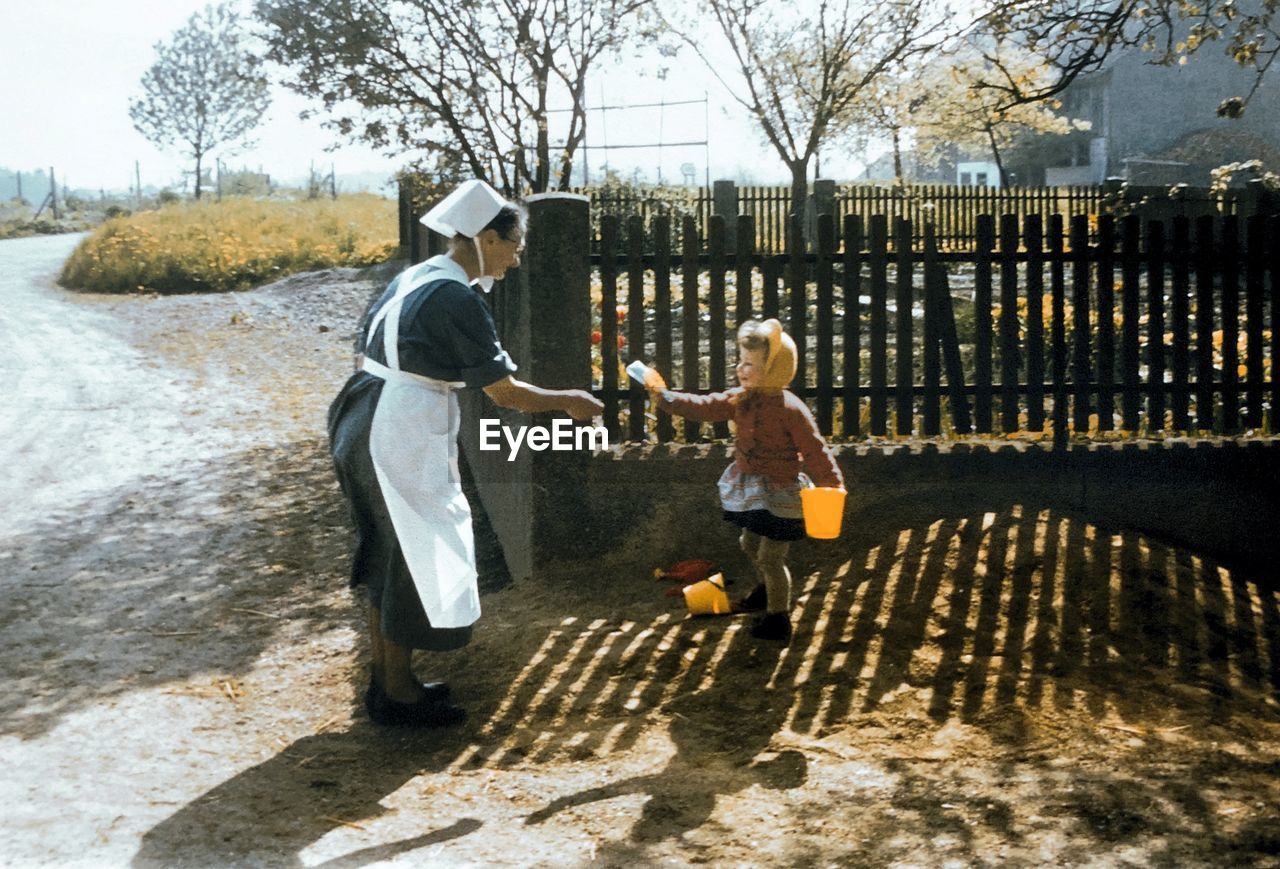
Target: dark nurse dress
x,y
447,333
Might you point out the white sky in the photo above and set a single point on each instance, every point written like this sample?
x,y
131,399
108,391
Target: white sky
x,y
71,66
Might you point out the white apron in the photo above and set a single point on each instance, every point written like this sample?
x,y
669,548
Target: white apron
x,y
414,446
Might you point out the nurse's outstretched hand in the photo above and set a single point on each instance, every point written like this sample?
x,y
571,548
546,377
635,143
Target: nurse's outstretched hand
x,y
582,405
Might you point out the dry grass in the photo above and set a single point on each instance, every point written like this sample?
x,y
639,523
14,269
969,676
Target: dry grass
x,y
233,244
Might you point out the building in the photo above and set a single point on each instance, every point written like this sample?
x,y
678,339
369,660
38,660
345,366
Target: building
x,y
977,174
1154,124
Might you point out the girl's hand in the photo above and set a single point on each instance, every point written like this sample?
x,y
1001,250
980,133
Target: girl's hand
x,y
653,381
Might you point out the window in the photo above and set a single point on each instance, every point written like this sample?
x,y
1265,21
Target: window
x,y
982,179
965,179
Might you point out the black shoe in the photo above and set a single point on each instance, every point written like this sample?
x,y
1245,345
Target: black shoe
x,y
435,691
772,626
753,601
426,712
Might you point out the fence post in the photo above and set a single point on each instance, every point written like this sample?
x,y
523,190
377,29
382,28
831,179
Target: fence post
x,y
1081,353
903,341
725,204
986,234
662,308
689,347
405,211
931,423
851,321
878,258
609,322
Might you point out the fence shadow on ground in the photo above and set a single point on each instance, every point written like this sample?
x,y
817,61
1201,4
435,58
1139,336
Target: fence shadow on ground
x,y
982,611
989,616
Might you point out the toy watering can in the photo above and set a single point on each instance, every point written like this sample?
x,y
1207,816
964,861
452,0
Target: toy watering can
x,y
707,597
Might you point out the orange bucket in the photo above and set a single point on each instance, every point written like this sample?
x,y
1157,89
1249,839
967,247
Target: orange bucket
x,y
707,598
823,511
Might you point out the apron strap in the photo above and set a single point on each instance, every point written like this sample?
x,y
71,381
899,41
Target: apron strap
x,y
390,312
377,369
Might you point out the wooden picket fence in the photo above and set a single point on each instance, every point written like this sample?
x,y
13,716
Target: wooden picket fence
x,y
952,210
1079,325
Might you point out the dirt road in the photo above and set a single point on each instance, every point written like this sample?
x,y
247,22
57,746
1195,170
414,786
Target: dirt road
x,y
988,686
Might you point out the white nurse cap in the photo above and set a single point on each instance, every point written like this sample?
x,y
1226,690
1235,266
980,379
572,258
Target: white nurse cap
x,y
465,211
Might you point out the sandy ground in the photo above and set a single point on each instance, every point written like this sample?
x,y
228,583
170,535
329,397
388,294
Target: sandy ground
x,y
184,663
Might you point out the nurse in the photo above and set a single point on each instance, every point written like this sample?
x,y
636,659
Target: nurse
x,y
393,432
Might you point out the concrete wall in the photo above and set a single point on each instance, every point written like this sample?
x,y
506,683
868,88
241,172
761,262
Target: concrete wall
x,y
652,504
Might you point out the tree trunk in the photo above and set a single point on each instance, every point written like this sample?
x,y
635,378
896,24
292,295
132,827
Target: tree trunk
x,y
199,157
995,152
799,185
897,155
799,189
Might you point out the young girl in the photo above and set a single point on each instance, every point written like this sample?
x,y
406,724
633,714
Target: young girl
x,y
760,492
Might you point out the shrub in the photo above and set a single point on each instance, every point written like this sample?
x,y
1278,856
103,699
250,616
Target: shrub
x,y
234,244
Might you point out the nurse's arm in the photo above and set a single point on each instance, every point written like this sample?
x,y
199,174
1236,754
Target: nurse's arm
x,y
525,397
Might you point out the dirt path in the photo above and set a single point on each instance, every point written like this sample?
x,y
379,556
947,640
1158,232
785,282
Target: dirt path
x,y
988,686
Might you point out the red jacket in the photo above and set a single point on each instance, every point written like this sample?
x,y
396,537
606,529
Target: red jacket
x,y
775,432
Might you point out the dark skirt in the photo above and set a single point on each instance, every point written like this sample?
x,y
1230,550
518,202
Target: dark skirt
x,y
766,524
378,564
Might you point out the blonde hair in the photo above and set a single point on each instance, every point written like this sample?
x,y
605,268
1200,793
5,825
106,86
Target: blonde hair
x,y
754,335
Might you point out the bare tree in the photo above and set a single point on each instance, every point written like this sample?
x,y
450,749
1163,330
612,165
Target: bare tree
x,y
206,88
1077,37
477,86
800,68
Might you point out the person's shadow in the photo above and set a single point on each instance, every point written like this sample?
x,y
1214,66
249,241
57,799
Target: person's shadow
x,y
268,814
721,735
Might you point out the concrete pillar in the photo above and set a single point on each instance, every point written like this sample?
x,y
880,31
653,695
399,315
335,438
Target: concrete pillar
x,y
821,201
557,273
724,202
1254,199
537,503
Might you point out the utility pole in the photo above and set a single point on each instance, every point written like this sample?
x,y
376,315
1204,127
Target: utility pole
x,y
333,182
137,177
53,193
706,139
19,184
217,165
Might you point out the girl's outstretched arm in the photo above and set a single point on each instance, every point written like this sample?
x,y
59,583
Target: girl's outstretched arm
x,y
716,407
